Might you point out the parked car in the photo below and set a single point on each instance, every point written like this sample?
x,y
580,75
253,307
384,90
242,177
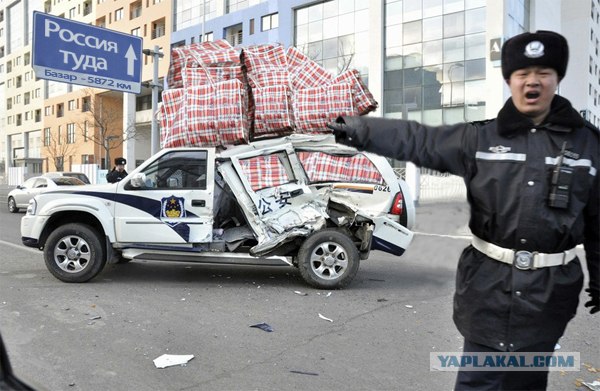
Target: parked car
x,y
79,175
19,197
300,201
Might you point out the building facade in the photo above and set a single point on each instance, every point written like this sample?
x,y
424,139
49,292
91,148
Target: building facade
x,y
435,61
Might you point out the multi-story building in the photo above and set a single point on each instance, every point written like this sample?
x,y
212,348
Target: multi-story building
x,y
47,125
435,61
21,93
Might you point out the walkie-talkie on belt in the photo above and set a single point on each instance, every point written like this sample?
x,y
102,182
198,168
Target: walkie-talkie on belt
x,y
560,183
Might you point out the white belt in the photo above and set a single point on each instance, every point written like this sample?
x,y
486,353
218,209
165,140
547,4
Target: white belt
x,y
523,260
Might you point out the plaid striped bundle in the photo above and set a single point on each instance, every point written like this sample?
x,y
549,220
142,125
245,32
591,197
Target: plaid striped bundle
x,y
221,95
304,72
264,171
268,77
364,102
323,167
315,107
211,53
210,114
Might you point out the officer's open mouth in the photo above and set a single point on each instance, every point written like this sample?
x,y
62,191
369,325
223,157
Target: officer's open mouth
x,y
532,95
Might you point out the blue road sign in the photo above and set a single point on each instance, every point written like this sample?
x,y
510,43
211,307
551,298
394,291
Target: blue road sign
x,y
79,53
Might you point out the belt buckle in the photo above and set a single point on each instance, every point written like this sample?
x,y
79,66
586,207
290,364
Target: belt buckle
x,y
523,260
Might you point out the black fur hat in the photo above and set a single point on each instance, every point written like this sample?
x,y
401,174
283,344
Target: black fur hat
x,y
120,160
543,48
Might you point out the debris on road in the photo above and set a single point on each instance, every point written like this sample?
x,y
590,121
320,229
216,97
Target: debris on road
x,y
301,293
324,318
304,373
263,326
408,306
594,386
169,360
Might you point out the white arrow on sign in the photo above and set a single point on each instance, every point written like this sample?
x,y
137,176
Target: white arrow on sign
x,y
131,57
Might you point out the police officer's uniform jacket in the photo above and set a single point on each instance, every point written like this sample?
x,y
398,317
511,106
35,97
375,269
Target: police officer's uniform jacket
x,y
506,164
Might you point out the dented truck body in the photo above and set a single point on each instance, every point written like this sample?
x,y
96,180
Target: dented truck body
x,y
301,201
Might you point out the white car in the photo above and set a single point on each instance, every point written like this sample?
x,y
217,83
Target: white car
x,y
79,175
301,201
19,197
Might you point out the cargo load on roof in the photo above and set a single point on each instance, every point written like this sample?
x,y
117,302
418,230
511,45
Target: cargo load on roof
x,y
221,95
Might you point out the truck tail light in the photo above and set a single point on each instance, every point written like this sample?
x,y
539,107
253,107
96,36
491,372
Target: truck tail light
x,y
397,206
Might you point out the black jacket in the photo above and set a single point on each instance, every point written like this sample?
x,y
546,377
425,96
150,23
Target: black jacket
x,y
506,165
115,176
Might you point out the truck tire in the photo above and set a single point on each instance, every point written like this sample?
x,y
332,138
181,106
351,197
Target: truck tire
x,y
328,259
12,205
74,253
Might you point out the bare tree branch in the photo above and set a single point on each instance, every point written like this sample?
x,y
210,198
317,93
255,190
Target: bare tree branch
x,y
58,148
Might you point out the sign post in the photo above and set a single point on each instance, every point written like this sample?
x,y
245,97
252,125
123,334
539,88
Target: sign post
x,y
79,53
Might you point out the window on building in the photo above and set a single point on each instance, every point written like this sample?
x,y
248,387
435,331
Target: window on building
x,y
8,63
87,7
71,105
37,93
27,76
101,22
26,98
234,34
60,110
251,27
85,103
72,13
208,37
59,135
136,31
27,115
48,111
46,137
158,28
119,14
17,99
71,133
19,120
135,10
87,159
85,131
38,115
9,103
18,81
269,22
17,61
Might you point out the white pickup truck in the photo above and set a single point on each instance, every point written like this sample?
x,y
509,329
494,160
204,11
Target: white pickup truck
x,y
300,201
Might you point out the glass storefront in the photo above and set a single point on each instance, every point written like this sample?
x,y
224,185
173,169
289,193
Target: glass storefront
x,y
435,60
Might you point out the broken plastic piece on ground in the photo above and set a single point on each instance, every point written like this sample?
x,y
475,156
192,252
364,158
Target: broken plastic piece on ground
x,y
594,386
263,326
301,293
322,317
304,373
556,347
169,360
408,306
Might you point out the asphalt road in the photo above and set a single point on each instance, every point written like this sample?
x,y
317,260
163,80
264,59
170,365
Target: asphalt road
x,y
105,334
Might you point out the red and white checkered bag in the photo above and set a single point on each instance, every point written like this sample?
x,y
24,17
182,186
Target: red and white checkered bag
x,y
210,52
173,119
199,75
264,58
315,107
272,111
323,167
364,102
304,72
264,171
216,114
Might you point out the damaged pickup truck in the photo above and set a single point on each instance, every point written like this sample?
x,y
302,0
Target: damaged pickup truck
x,y
300,201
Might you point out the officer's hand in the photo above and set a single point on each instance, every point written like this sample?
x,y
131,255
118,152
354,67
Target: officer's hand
x,y
594,302
340,129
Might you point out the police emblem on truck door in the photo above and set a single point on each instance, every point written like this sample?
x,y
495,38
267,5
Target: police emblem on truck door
x,y
172,207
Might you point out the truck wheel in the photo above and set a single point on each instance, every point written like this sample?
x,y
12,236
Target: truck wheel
x,y
74,253
12,205
328,259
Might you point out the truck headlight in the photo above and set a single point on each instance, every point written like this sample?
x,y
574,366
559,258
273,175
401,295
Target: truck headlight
x,y
31,208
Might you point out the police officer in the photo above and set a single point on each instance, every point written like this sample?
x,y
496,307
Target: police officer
x,y
118,172
532,186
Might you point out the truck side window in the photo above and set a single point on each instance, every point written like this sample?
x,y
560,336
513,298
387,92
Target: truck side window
x,y
178,170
